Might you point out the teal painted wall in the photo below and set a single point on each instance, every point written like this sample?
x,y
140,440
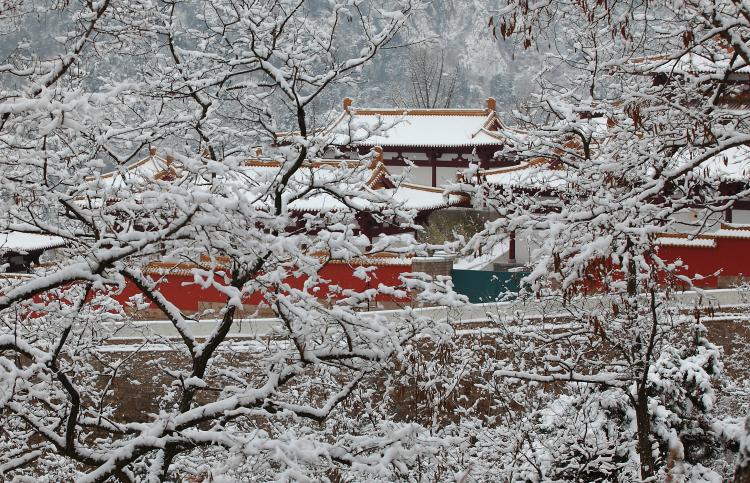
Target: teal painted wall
x,y
481,286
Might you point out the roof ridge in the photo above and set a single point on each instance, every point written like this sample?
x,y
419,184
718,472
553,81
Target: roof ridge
x,y
379,171
260,163
702,236
132,167
374,111
735,226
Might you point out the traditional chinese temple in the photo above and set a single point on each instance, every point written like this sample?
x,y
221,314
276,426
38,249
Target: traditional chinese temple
x,y
438,142
729,171
328,185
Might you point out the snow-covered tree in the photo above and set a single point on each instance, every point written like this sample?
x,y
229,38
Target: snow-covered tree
x,y
208,84
628,133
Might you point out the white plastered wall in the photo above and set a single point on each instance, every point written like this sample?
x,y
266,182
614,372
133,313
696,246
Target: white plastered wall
x,y
446,175
526,243
690,221
417,175
741,216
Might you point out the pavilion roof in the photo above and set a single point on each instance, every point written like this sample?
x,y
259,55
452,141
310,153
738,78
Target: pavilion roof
x,y
150,168
695,63
330,185
715,55
731,165
420,128
367,187
418,197
21,242
536,173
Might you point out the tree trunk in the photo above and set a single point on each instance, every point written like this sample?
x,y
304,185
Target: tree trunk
x,y
643,422
742,472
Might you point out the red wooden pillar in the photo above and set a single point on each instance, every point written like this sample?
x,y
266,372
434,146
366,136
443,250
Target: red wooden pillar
x,y
484,159
433,163
512,247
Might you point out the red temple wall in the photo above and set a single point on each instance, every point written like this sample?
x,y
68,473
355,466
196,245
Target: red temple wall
x,y
730,257
182,291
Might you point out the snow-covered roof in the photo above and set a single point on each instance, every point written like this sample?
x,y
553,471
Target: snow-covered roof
x,y
692,63
695,63
719,63
405,196
336,184
26,242
323,171
733,164
536,174
330,184
324,202
678,240
417,127
150,168
708,240
375,259
732,231
735,226
417,197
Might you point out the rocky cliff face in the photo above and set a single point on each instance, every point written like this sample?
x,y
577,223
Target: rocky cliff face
x,y
487,67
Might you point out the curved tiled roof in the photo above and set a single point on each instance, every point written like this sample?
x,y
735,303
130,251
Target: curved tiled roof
x,y
185,268
422,128
694,63
22,242
536,173
733,164
337,184
708,240
422,198
460,128
152,167
376,170
682,240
